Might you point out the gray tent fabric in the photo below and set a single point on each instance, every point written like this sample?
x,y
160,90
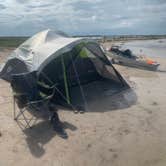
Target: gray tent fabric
x,y
13,66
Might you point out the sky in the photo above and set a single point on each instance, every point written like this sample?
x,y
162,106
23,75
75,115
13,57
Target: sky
x,y
83,17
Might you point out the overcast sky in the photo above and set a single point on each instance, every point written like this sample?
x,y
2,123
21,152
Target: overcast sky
x,y
26,17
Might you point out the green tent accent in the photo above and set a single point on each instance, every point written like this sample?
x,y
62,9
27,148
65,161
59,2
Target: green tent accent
x,y
65,81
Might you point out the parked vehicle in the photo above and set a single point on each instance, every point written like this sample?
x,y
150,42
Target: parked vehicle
x,y
127,58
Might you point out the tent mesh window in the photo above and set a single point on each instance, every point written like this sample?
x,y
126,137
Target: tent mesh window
x,y
85,69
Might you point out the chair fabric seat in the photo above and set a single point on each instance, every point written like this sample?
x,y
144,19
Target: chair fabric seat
x,y
27,90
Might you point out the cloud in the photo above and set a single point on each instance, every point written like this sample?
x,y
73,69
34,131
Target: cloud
x,y
2,7
20,17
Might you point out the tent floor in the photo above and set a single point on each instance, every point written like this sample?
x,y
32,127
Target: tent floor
x,y
96,92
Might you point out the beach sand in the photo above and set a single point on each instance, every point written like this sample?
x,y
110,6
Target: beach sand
x,y
128,128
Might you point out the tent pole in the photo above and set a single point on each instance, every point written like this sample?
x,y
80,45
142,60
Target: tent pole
x,y
65,80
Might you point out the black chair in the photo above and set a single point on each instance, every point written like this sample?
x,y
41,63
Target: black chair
x,y
28,95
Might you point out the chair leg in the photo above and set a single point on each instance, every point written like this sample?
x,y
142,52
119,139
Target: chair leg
x,y
20,113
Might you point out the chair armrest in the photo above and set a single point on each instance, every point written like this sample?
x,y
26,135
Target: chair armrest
x,y
46,86
19,94
44,99
37,101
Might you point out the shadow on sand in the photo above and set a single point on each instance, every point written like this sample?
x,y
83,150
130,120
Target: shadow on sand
x,y
40,134
117,101
102,97
97,100
161,71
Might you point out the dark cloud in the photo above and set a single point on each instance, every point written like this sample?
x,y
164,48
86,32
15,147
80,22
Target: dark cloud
x,y
2,7
82,5
39,6
22,1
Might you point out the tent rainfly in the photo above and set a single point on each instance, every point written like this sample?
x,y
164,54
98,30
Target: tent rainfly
x,y
65,61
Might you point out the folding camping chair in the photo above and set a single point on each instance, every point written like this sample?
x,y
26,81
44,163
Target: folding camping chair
x,y
27,95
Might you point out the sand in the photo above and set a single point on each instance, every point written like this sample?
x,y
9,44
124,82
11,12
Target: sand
x,y
128,128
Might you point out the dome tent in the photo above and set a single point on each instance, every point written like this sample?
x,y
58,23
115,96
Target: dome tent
x,y
65,61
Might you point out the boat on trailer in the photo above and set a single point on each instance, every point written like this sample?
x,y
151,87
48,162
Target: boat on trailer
x,y
127,58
